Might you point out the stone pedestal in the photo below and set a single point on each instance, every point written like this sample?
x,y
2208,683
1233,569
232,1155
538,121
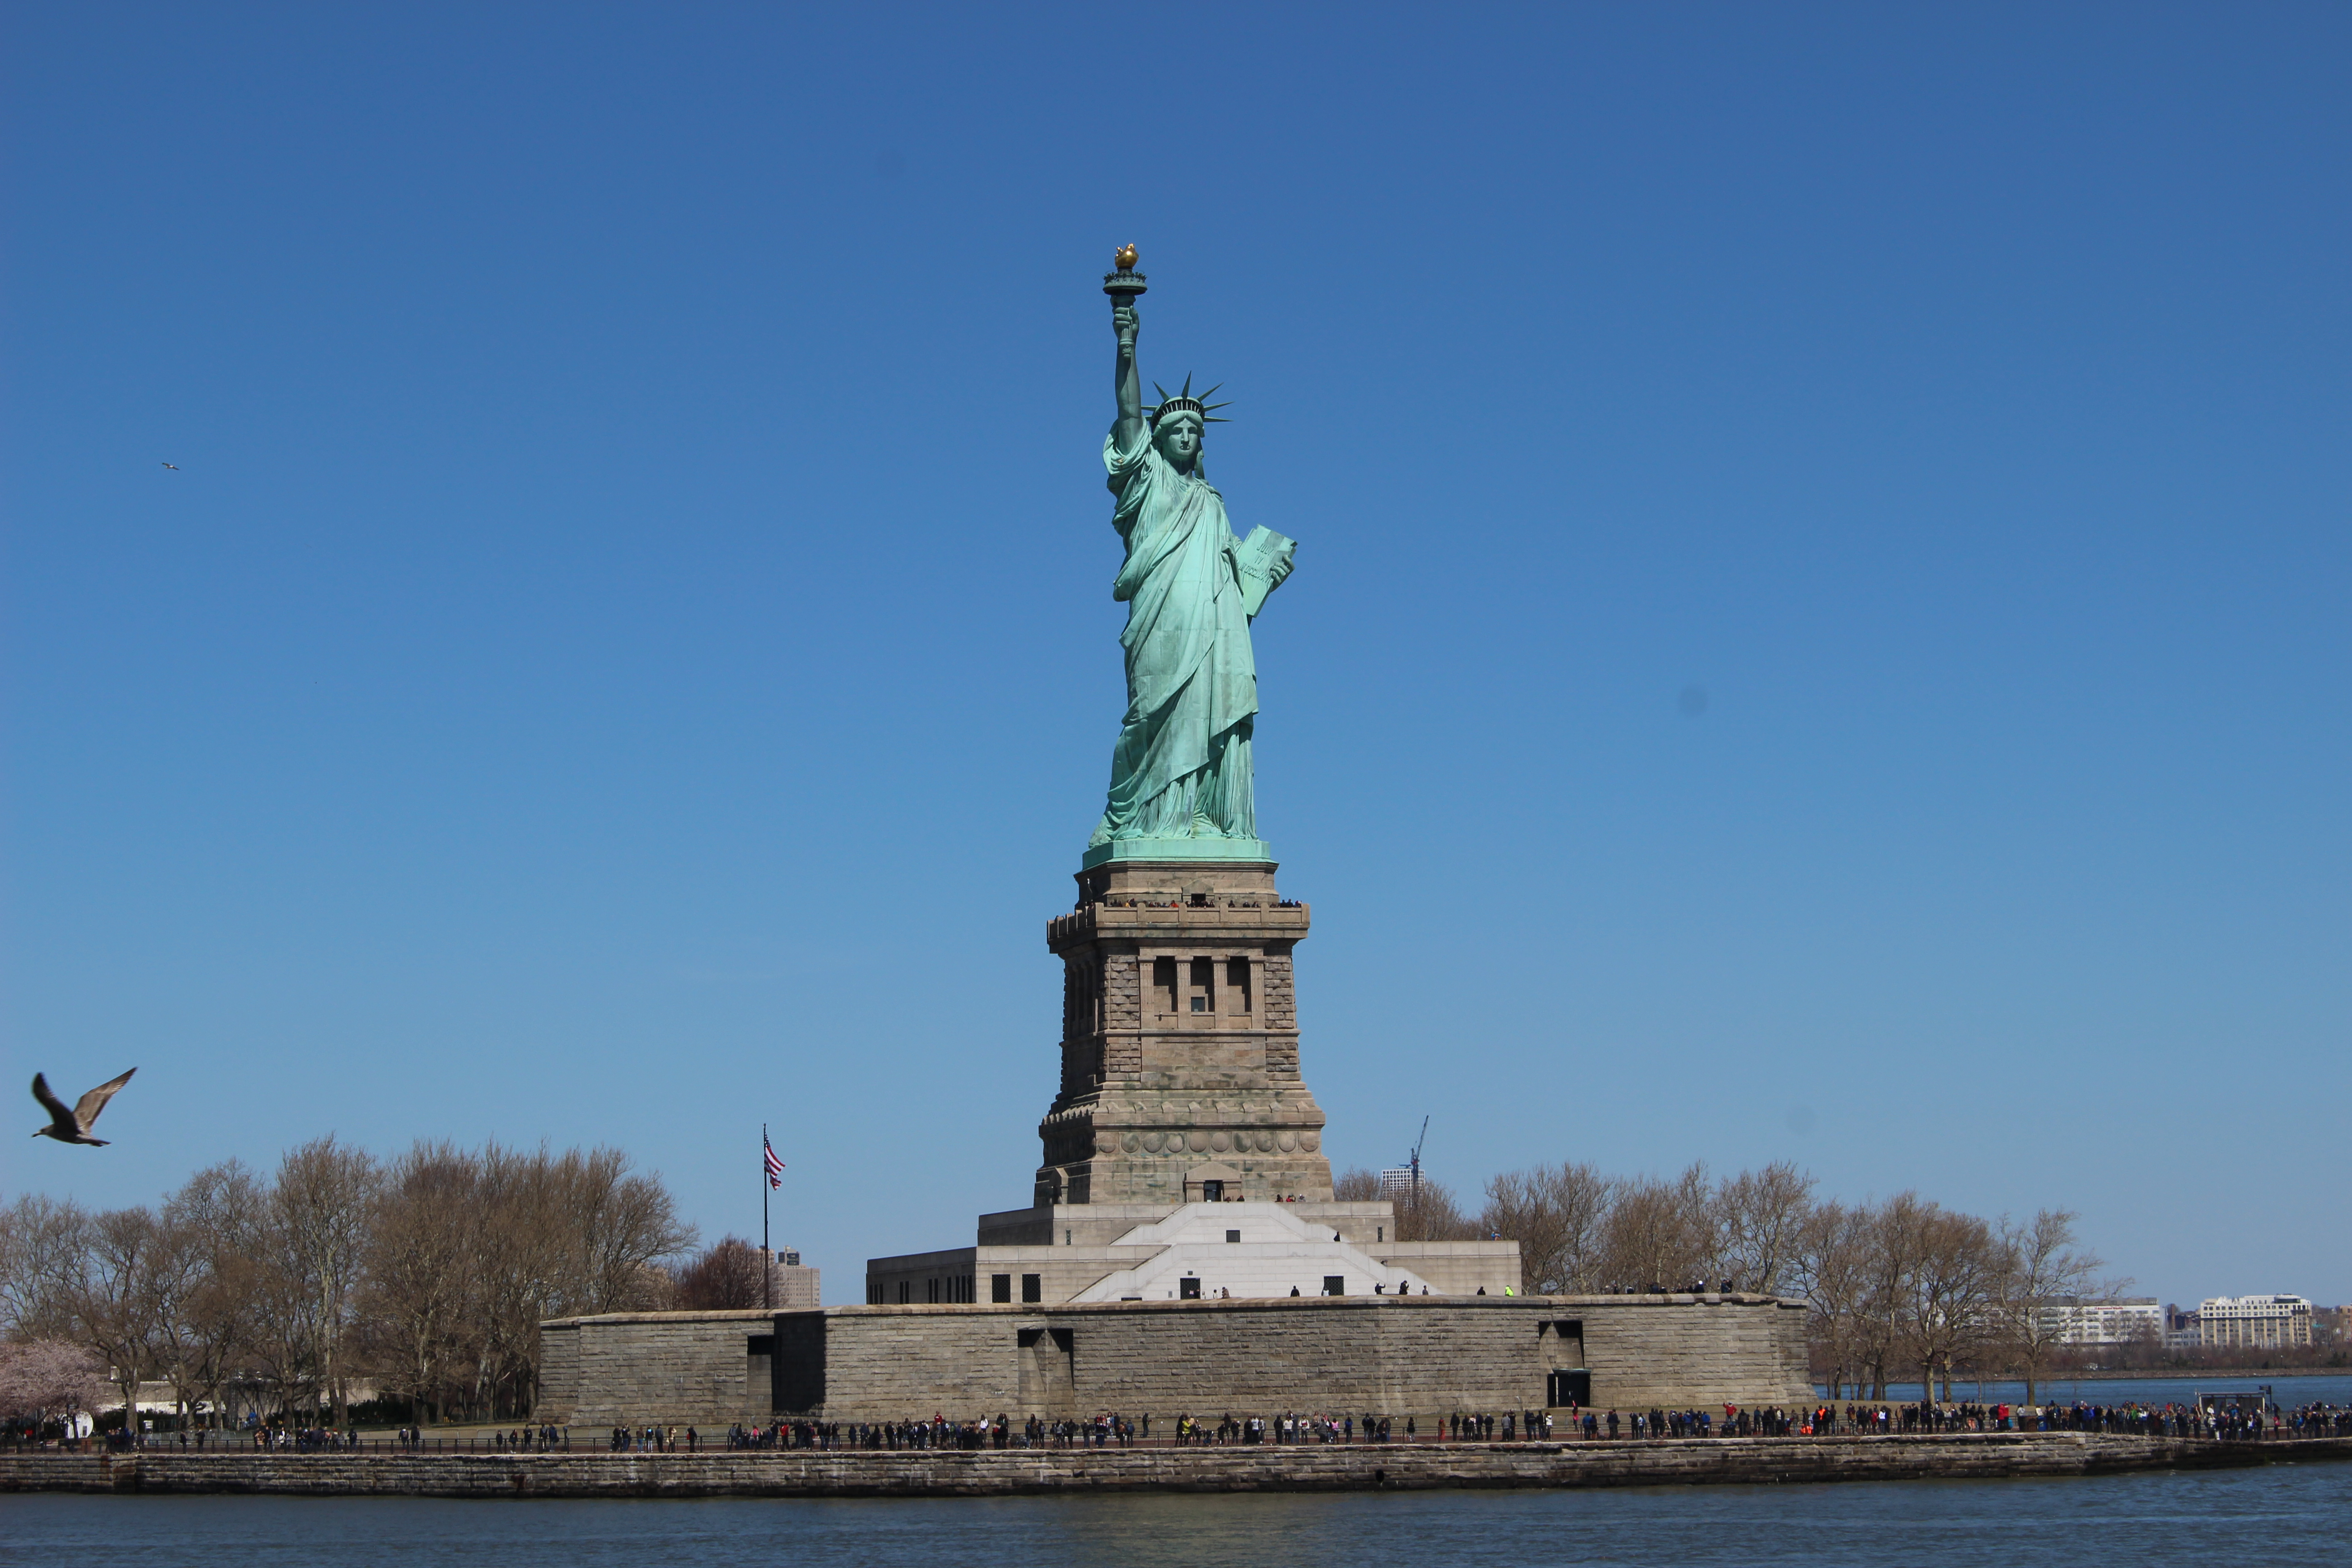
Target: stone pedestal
x,y
1180,1041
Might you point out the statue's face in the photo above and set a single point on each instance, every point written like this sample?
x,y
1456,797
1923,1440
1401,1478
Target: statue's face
x,y
1178,437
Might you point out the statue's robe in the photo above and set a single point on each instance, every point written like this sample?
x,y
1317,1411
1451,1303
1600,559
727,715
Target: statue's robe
x,y
1181,766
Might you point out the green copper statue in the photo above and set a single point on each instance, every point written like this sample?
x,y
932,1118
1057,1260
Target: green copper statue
x,y
1179,775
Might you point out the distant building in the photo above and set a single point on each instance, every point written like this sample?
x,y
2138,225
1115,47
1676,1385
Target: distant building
x,y
2254,1323
2071,1321
2180,1328
1396,1183
791,1286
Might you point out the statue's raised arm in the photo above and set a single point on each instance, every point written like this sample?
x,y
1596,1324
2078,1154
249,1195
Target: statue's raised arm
x,y
1128,429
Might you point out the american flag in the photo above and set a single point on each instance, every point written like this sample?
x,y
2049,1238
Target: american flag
x,y
775,1166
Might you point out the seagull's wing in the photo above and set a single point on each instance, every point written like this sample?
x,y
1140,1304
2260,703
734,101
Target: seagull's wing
x,y
95,1101
60,1116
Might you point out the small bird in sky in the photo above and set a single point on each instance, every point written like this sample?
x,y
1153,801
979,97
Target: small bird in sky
x,y
72,1125
173,467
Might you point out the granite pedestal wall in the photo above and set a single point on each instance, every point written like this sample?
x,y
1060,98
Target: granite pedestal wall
x,y
1180,1041
1424,1356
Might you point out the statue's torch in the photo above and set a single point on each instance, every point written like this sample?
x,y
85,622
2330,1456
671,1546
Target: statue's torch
x,y
1125,284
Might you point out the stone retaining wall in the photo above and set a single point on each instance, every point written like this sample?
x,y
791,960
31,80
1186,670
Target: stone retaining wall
x,y
1424,1356
1306,1468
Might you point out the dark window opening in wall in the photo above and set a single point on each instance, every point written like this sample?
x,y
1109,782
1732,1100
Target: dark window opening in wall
x,y
1000,1286
1204,985
1233,1235
1335,1284
1568,1387
905,1292
1198,900
1163,980
1379,1233
759,1344
1032,1286
1188,1289
1213,1192
1237,985
932,1286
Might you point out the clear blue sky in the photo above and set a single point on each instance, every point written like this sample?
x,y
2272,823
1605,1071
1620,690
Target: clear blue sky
x,y
628,651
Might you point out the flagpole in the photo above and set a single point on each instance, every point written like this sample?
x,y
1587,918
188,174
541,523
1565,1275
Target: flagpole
x,y
767,1258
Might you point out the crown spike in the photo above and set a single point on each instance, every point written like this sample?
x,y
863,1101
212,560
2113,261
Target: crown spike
x,y
1186,401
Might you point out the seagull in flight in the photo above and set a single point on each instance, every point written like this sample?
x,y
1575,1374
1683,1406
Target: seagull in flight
x,y
71,1125
173,467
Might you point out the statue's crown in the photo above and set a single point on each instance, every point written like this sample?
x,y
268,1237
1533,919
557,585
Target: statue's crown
x,y
1185,403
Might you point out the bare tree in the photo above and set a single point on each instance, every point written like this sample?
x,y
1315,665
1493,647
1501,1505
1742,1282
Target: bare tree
x,y
519,1261
116,1303
2043,1273
43,1246
1557,1213
733,1274
1355,1187
1833,1270
622,1222
222,1209
281,1303
324,1193
1660,1235
1947,1290
1429,1211
419,1291
1760,1220
1894,1234
178,1265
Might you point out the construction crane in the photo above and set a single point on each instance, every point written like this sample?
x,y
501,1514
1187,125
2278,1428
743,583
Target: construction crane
x,y
1415,1161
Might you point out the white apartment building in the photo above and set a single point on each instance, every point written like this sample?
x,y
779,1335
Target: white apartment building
x,y
2072,1321
2254,1323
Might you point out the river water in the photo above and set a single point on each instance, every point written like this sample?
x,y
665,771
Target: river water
x,y
2287,1513
2288,1391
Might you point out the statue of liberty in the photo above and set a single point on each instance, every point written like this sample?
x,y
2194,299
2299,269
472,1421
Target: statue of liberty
x,y
1180,770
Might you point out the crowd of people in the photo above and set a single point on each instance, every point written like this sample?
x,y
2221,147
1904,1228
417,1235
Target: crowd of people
x,y
1109,1430
999,1431
2218,1421
2221,1423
